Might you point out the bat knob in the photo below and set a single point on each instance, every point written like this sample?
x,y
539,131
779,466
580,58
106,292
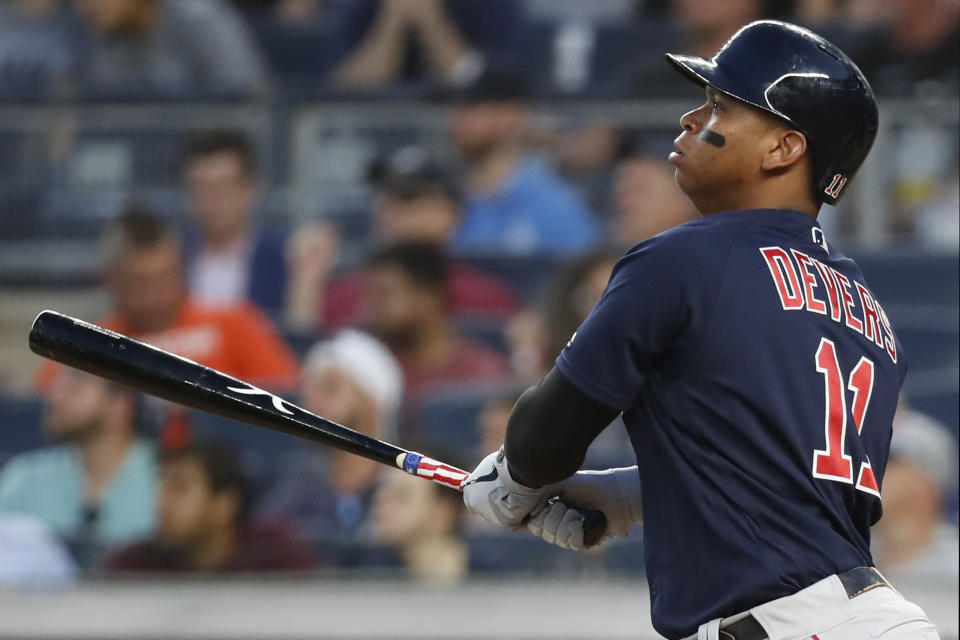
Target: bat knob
x,y
594,526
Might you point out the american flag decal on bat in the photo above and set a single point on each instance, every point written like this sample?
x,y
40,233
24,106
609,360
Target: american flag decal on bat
x,y
418,465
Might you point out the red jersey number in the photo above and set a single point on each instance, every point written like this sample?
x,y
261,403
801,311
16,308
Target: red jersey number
x,y
832,463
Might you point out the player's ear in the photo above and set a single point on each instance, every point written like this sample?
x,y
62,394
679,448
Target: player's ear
x,y
786,147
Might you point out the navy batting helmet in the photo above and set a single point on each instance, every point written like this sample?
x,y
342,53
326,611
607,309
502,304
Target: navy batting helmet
x,y
797,75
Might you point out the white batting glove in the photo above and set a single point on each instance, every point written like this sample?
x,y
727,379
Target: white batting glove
x,y
490,492
615,492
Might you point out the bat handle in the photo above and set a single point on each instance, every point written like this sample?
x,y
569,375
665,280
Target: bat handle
x,y
593,520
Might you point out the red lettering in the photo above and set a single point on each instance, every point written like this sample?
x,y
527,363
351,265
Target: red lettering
x,y
833,293
871,328
890,341
809,282
781,270
844,286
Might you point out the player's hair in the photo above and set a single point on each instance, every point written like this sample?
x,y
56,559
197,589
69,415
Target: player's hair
x,y
137,227
423,262
208,143
222,469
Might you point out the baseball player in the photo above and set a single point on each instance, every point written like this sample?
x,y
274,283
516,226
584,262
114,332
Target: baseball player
x,y
756,372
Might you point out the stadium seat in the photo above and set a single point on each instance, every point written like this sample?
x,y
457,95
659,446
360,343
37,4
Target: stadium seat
x,y
21,426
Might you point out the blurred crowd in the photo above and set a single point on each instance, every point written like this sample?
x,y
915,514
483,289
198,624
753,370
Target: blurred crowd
x,y
478,260
247,48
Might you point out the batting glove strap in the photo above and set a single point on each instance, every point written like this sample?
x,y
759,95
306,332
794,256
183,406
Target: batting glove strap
x,y
491,492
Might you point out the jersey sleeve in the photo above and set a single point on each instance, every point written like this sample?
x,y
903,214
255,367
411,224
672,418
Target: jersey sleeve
x,y
646,305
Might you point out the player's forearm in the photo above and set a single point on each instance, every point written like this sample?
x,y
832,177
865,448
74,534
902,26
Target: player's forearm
x,y
550,429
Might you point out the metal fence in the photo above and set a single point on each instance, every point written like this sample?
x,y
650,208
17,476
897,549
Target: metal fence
x,y
66,169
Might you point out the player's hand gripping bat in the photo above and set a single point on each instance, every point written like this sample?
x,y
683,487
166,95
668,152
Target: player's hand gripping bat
x,y
171,377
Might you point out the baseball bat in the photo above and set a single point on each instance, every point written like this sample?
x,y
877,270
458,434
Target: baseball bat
x,y
151,370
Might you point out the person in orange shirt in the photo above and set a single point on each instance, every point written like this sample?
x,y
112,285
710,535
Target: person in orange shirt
x,y
145,277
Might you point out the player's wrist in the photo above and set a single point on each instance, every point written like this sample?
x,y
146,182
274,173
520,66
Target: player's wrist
x,y
492,492
516,481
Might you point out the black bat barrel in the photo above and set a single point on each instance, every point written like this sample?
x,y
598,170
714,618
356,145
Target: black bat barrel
x,y
122,359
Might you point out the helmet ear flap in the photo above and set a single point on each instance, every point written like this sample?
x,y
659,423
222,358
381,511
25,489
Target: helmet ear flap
x,y
795,74
832,186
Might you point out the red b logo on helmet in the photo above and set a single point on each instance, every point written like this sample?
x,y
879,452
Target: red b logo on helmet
x,y
836,185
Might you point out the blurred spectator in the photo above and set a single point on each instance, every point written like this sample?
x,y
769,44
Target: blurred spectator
x,y
232,258
917,50
537,336
416,201
353,380
703,26
937,222
35,53
96,485
30,554
378,59
855,14
707,24
167,48
646,198
492,422
595,11
203,523
584,154
406,306
144,275
515,203
421,520
912,541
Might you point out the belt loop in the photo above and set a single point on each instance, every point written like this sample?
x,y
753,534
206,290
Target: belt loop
x,y
709,630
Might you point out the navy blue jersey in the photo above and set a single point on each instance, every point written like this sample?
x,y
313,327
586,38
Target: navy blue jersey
x,y
758,378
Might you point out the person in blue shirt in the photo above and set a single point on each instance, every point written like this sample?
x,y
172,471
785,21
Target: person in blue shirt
x,y
755,371
514,202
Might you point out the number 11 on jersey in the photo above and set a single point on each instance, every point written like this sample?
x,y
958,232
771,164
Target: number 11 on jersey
x,y
832,463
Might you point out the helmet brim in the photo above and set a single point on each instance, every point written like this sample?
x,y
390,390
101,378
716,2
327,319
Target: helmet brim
x,y
707,73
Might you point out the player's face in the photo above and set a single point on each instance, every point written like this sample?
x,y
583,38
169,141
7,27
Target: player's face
x,y
480,128
76,405
395,306
421,218
717,157
647,200
220,194
148,286
184,503
334,394
406,509
111,15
